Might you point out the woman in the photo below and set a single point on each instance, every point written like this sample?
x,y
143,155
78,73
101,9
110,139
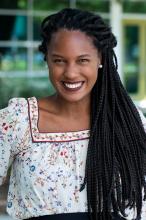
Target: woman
x,y
78,154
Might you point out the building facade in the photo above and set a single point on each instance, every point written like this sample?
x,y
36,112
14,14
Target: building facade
x,y
21,63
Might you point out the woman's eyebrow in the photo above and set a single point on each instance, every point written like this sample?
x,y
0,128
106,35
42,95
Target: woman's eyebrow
x,y
80,56
57,55
84,55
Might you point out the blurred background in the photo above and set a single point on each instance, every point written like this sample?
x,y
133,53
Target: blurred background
x,y
23,72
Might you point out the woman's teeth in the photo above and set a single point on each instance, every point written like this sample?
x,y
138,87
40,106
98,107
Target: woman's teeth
x,y
73,85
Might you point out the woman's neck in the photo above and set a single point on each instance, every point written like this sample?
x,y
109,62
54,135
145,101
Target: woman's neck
x,y
72,110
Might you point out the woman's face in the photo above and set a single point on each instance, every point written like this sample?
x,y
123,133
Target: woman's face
x,y
73,63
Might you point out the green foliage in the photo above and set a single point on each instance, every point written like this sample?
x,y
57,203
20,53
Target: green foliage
x,y
92,5
50,5
23,87
135,7
20,4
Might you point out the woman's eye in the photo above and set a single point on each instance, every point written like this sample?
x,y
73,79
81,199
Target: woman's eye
x,y
58,61
83,61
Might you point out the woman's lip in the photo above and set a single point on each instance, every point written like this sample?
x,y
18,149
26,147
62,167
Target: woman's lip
x,y
72,89
75,82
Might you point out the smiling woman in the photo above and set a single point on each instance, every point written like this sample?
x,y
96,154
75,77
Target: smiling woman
x,y
79,153
73,62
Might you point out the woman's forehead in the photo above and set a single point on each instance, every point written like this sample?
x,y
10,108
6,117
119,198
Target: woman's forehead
x,y
72,40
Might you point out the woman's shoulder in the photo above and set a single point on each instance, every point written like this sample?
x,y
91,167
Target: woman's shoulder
x,y
15,110
15,102
47,103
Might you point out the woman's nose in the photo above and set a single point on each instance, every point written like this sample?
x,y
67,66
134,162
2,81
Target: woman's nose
x,y
71,71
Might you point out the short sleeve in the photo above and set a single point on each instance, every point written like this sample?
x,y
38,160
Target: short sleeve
x,y
8,135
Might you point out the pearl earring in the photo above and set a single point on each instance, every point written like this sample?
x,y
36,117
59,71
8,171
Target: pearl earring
x,y
100,66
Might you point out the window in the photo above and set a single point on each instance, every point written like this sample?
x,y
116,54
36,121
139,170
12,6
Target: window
x,y
131,67
20,59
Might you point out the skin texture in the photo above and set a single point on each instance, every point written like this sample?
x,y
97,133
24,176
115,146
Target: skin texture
x,y
71,58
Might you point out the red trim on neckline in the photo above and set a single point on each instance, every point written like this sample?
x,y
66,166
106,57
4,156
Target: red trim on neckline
x,y
40,134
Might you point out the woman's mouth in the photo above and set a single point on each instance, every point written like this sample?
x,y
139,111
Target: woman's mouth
x,y
73,86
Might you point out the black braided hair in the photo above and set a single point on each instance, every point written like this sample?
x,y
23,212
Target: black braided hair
x,y
114,173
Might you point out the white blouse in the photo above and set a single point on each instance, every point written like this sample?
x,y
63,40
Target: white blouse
x,y
47,168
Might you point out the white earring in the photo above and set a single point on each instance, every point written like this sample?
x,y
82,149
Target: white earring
x,y
100,66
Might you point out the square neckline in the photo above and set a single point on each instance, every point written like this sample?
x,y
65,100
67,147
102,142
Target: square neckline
x,y
37,135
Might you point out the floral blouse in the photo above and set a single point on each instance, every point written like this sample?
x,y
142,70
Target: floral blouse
x,y
47,168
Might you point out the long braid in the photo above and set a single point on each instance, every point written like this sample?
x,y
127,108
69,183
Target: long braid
x,y
114,173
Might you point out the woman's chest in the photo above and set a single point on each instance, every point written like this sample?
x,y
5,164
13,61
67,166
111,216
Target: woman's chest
x,y
56,163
